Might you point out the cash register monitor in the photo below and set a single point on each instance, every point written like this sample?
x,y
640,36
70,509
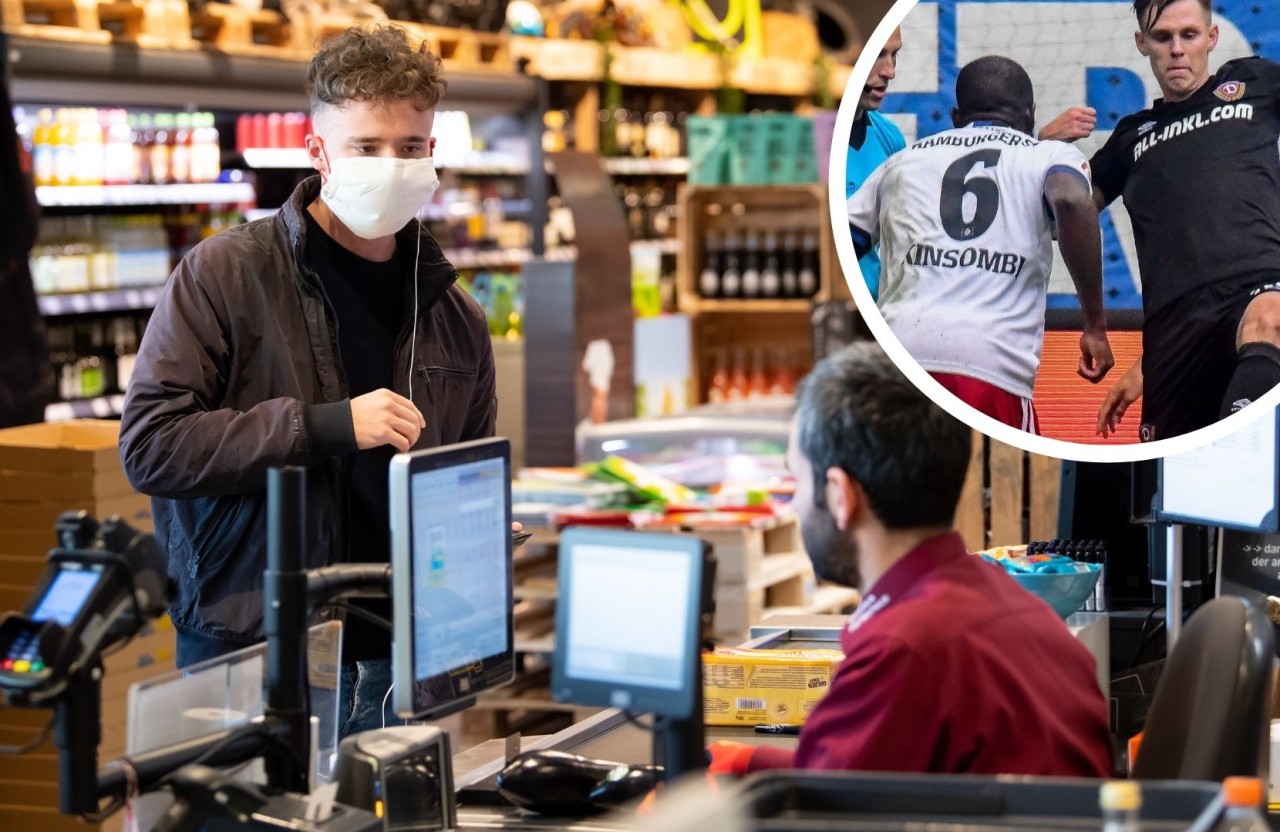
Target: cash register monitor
x,y
628,621
451,575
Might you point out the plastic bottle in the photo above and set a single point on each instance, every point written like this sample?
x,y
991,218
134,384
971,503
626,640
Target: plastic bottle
x,y
42,148
758,386
162,149
144,141
738,383
180,158
1121,802
87,158
1242,806
63,141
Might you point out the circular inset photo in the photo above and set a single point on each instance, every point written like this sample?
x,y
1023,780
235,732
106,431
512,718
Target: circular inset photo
x,y
1062,219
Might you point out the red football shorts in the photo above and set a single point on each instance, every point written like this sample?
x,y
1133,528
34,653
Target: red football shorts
x,y
1000,405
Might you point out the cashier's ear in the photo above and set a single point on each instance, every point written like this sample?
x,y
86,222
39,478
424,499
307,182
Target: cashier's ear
x,y
844,496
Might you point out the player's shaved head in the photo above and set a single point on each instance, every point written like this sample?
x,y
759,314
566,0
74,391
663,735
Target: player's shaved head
x,y
1149,11
995,88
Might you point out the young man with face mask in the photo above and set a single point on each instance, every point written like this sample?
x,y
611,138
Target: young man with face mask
x,y
331,335
949,666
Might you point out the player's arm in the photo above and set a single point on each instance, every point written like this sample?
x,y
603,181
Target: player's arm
x,y
1122,394
1080,240
1071,124
864,213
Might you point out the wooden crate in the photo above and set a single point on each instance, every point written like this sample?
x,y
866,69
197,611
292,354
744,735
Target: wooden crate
x,y
148,23
1009,497
233,29
784,580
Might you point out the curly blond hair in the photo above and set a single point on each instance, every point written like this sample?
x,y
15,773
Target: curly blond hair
x,y
379,63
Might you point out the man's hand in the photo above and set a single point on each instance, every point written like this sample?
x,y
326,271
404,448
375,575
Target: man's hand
x,y
1123,393
1071,124
730,757
385,418
1095,356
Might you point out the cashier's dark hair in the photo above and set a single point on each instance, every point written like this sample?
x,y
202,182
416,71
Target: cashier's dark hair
x,y
857,412
378,63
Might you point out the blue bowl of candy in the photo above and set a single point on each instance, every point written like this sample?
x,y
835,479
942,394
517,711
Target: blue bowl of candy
x,y
1064,591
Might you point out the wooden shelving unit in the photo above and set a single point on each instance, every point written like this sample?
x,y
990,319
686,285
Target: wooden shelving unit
x,y
729,324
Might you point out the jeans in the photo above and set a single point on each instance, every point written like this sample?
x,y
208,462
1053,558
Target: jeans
x,y
364,689
193,647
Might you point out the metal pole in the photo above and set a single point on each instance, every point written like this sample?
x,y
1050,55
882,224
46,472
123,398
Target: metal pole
x,y
1173,583
284,590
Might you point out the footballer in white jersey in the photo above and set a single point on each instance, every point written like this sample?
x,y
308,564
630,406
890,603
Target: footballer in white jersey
x,y
965,221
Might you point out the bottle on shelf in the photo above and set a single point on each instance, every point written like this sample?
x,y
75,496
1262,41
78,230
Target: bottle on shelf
x,y
119,162
143,145
751,267
42,148
181,149
709,278
739,384
789,277
1121,803
770,276
63,140
124,339
807,276
162,150
758,384
718,390
1242,799
731,277
88,147
784,375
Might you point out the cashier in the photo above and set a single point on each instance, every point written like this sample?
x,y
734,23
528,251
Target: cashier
x,y
950,666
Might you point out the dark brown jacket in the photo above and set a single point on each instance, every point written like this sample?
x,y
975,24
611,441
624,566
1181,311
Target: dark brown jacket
x,y
239,371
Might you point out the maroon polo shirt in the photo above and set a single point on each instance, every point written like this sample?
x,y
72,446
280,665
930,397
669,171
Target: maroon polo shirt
x,y
951,667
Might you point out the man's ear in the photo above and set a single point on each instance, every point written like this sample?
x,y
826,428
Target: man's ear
x,y
316,154
1213,37
843,497
955,117
1141,41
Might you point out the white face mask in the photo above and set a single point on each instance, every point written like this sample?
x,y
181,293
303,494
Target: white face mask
x,y
375,196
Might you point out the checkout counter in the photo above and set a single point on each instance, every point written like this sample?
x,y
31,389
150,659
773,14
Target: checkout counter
x,y
885,801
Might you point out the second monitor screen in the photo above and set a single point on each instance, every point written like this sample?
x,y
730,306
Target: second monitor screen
x,y
628,616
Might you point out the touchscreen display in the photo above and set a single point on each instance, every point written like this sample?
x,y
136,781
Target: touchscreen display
x,y
66,595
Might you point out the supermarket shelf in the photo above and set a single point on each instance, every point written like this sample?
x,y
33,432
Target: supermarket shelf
x,y
546,644
103,407
114,300
463,210
57,72
55,196
670,245
467,258
745,305
647,167
535,593
478,163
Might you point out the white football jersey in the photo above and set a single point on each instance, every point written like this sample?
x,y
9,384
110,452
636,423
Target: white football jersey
x,y
965,236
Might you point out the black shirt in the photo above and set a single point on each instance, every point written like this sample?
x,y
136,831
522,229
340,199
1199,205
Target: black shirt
x,y
1201,182
368,300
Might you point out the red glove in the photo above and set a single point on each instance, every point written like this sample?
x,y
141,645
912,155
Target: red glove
x,y
730,757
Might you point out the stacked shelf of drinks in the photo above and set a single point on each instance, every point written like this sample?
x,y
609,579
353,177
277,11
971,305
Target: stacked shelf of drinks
x,y
751,264
92,359
758,372
96,146
110,252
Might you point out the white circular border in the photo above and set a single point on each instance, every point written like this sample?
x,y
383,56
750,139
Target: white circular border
x,y
1131,452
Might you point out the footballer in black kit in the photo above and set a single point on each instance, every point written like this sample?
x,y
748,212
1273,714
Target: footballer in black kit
x,y
1201,182
1200,179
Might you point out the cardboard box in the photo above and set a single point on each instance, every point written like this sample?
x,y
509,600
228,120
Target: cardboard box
x,y
765,687
81,446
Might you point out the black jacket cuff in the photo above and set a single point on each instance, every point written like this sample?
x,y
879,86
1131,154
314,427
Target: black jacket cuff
x,y
330,430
